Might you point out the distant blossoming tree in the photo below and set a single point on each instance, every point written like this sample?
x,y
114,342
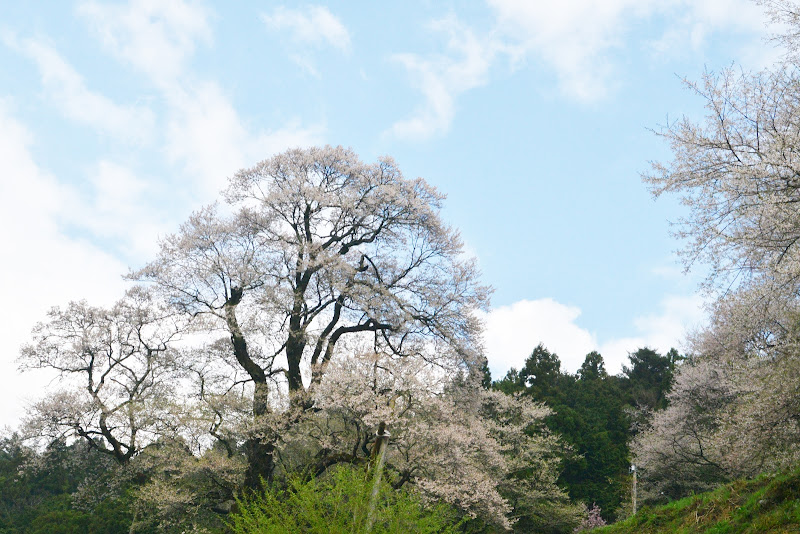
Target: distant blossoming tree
x,y
733,409
118,371
738,175
592,520
453,441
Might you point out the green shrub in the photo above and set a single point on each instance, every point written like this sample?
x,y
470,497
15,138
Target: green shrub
x,y
338,503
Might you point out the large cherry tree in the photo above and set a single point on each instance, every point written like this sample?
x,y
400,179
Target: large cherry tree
x,y
321,250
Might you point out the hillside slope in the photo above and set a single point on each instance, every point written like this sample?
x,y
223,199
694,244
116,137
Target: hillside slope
x,y
767,504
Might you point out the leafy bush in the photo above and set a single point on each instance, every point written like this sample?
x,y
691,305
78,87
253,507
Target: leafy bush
x,y
338,503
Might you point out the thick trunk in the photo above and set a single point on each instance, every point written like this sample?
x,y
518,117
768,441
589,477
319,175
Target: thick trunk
x,y
296,343
260,462
259,448
294,354
238,341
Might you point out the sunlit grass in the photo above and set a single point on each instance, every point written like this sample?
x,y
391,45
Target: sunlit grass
x,y
767,504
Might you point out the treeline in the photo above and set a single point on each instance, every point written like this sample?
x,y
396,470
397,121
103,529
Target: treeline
x,y
69,489
50,491
592,416
597,415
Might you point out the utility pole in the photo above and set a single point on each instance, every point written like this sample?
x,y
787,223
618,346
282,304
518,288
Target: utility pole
x,y
378,457
633,488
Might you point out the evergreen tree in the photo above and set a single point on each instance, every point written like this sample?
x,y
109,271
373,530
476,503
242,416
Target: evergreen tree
x,y
650,377
592,413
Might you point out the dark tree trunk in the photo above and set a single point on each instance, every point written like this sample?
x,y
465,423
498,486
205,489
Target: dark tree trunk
x,y
260,450
296,343
260,454
294,354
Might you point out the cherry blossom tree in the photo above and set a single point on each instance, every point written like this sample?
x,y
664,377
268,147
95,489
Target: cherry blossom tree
x,y
738,174
321,248
450,440
592,520
737,171
116,368
326,304
733,410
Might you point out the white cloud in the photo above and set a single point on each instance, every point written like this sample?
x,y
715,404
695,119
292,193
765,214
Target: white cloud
x,y
204,133
68,91
580,38
315,25
306,63
573,37
42,267
512,332
442,77
662,331
119,209
155,36
694,24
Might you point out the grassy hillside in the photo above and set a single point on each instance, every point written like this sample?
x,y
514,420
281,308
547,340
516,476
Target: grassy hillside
x,y
765,504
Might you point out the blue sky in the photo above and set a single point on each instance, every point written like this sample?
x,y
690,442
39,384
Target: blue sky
x,y
119,119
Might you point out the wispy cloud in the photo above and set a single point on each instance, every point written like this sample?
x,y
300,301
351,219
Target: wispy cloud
x,y
695,24
582,40
68,92
441,78
207,136
119,208
574,38
64,242
315,26
155,36
42,266
204,133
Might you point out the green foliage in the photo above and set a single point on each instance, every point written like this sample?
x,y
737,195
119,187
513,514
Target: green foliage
x,y
58,516
62,488
766,504
338,503
486,374
592,414
593,367
36,491
541,373
650,377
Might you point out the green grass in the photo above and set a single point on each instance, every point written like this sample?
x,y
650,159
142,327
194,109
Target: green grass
x,y
769,503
